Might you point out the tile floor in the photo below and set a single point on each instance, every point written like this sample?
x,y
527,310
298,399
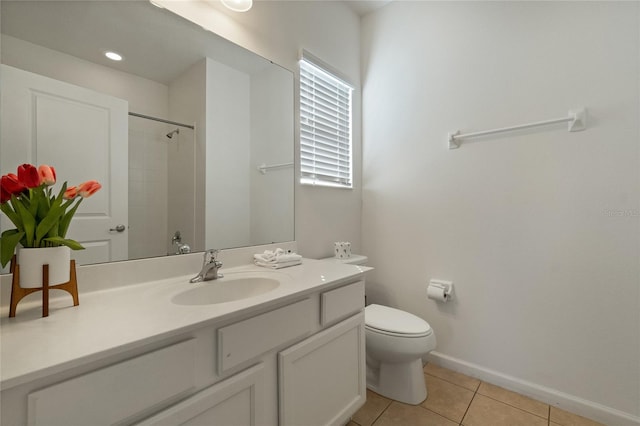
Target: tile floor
x,y
456,399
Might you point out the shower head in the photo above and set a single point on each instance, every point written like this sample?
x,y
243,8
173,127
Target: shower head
x,y
173,132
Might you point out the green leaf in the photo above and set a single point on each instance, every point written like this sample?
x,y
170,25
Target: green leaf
x,y
72,244
11,214
66,219
53,216
28,222
33,208
9,232
43,208
8,242
25,200
14,200
53,232
36,196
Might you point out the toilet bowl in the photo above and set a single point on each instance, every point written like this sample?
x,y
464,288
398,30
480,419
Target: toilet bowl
x,y
396,342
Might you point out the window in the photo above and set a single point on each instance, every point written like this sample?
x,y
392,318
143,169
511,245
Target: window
x,y
325,126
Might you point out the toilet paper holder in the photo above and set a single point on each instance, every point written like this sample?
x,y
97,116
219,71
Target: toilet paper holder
x,y
444,290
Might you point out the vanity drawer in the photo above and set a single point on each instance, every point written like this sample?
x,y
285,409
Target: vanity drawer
x,y
250,338
114,393
341,302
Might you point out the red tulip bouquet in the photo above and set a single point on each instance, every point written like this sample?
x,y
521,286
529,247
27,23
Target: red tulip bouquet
x,y
41,218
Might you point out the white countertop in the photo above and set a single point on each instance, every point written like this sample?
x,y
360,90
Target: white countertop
x,y
122,318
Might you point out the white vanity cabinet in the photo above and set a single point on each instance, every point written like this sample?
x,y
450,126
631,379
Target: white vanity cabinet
x,y
236,401
322,379
300,362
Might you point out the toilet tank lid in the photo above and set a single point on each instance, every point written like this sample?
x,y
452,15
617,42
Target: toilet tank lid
x,y
355,259
394,320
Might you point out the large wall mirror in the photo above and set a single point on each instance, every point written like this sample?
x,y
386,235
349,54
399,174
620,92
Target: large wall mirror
x,y
188,134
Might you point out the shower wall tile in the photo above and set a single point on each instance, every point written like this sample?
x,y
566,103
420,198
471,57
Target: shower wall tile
x,y
148,189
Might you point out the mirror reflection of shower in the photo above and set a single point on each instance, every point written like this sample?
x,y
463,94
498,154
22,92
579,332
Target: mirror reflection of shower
x,y
161,185
174,132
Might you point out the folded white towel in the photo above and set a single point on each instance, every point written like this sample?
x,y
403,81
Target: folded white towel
x,y
277,265
270,255
285,262
276,256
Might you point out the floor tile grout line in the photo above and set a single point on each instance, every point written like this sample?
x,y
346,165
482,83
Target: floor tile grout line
x,y
475,392
510,405
469,406
461,387
438,414
453,383
518,408
460,423
382,412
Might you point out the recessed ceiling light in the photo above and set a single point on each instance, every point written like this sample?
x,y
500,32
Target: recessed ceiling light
x,y
113,56
238,5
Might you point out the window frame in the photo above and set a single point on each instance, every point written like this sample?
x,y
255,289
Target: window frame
x,y
325,73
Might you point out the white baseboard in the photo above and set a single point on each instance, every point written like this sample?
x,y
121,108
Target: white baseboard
x,y
574,404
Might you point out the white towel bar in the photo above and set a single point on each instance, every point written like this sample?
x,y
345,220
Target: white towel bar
x,y
263,167
577,121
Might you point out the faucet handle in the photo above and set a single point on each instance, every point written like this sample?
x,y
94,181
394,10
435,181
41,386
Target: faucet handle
x,y
177,238
211,256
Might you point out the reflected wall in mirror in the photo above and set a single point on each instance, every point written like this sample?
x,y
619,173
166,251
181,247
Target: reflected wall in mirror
x,y
230,111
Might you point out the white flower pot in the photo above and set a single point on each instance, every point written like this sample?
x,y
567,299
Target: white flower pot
x,y
31,260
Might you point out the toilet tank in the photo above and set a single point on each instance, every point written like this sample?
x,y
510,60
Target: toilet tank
x,y
355,259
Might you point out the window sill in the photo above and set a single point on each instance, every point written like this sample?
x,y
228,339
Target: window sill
x,y
311,182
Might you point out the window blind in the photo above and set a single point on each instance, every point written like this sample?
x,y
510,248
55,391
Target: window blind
x,y
325,127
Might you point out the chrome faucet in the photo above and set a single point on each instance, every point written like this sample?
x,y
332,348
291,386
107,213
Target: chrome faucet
x,y
181,248
210,267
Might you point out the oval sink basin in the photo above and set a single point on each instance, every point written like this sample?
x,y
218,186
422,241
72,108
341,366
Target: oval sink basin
x,y
227,289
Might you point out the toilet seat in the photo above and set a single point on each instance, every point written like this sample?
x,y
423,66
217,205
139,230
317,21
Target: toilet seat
x,y
394,322
389,333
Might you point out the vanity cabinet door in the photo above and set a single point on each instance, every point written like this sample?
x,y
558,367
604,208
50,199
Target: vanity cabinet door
x,y
322,379
236,401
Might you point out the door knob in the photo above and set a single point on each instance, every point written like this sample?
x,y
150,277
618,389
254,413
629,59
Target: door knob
x,y
119,228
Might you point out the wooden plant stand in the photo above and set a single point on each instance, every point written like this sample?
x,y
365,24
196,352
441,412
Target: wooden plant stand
x,y
18,293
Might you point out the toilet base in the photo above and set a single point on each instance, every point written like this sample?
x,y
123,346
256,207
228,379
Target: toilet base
x,y
403,382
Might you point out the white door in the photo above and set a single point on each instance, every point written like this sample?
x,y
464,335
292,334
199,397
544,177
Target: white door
x,y
83,134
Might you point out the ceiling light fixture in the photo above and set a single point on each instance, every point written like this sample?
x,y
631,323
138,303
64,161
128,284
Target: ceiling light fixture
x,y
113,56
238,5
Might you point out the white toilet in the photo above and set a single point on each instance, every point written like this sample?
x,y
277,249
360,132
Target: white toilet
x,y
396,343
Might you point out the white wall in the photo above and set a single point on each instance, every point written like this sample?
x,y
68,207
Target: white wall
x,y
272,203
278,30
227,197
539,230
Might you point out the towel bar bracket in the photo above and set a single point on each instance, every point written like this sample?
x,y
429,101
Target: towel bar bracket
x,y
579,121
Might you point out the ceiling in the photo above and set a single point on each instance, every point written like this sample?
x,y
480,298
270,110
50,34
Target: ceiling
x,y
155,43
